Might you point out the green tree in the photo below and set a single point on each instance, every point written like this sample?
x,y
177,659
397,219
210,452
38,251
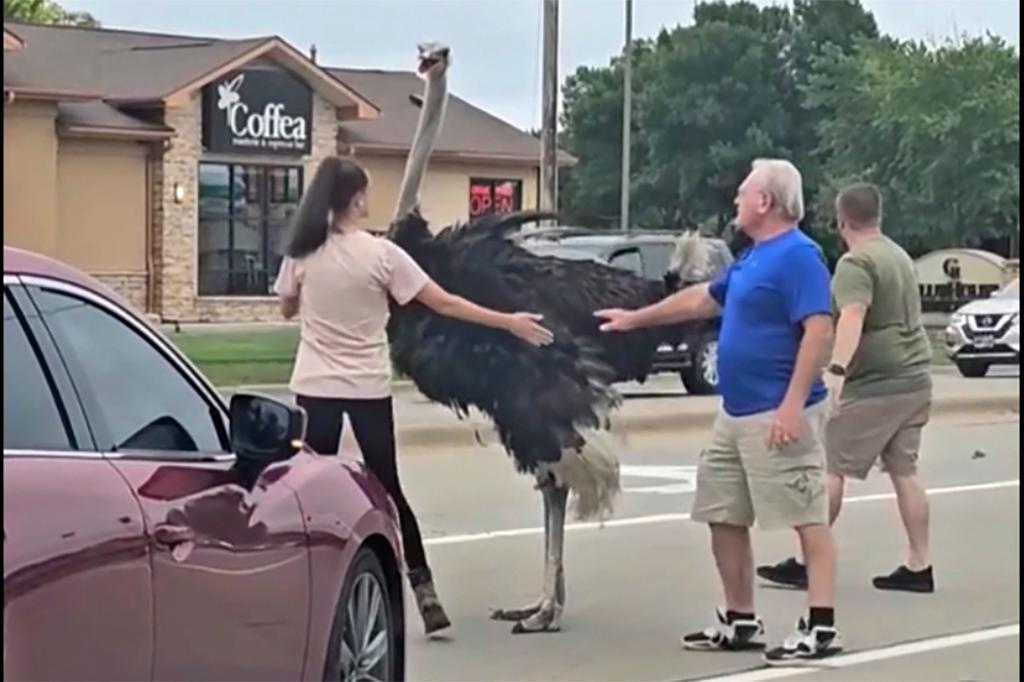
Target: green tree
x,y
708,99
936,129
45,12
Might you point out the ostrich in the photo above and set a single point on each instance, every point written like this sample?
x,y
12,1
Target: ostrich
x,y
551,406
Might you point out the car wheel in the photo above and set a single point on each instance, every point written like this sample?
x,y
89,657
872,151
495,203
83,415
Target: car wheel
x,y
364,638
701,378
974,369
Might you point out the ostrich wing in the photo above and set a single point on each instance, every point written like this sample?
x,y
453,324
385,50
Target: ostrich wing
x,y
538,397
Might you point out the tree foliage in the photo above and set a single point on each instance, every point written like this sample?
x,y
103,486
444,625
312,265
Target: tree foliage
x,y
937,129
45,12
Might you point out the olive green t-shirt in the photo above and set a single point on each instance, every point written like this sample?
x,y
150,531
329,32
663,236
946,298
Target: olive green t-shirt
x,y
894,355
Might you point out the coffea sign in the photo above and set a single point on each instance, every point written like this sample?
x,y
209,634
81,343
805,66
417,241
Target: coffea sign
x,y
258,112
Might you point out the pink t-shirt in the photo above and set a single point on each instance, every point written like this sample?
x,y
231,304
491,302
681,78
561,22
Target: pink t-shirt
x,y
343,313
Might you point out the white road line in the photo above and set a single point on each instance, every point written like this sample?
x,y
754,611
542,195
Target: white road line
x,y
874,655
668,518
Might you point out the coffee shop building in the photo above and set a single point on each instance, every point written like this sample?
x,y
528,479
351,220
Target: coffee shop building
x,y
168,166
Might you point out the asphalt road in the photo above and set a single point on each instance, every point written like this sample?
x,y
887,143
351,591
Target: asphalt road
x,y
647,577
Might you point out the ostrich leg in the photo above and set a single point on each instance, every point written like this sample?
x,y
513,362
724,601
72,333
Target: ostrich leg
x,y
548,618
545,483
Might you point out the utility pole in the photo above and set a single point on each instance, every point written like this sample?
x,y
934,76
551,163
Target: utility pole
x,y
627,115
549,105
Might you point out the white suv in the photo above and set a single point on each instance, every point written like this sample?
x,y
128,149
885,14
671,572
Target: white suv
x,y
986,332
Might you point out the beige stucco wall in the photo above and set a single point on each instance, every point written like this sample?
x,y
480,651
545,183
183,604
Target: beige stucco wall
x,y
445,193
30,176
101,206
975,267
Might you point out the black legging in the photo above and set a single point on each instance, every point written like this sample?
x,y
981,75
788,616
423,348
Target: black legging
x,y
374,427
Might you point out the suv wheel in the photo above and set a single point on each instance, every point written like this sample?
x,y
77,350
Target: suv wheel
x,y
701,378
974,369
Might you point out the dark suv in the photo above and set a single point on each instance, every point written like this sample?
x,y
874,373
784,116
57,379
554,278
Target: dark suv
x,y
648,254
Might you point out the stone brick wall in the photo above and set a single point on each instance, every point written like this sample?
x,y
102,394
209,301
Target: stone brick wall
x,y
175,243
130,285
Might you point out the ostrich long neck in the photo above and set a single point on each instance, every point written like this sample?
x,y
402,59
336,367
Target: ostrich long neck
x,y
431,115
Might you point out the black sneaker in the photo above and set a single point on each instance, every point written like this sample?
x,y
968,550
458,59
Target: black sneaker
x,y
789,572
740,634
805,645
905,580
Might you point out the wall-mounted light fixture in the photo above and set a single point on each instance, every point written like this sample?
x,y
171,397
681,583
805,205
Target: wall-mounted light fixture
x,y
179,193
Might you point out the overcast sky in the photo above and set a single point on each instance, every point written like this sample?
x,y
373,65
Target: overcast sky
x,y
495,43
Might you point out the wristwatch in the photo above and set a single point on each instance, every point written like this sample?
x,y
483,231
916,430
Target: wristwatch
x,y
837,369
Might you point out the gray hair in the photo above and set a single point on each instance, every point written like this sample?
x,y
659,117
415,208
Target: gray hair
x,y
783,183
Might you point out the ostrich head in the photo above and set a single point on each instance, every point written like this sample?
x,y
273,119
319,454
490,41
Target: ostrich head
x,y
434,60
432,66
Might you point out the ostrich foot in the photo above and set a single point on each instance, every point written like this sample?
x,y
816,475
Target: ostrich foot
x,y
516,615
547,619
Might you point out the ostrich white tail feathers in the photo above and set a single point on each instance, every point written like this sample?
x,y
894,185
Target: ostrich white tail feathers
x,y
591,473
691,259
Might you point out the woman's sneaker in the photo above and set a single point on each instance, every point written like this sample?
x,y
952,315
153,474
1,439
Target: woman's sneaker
x,y
806,644
728,634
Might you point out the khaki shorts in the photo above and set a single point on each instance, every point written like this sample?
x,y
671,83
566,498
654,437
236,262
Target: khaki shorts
x,y
864,430
741,479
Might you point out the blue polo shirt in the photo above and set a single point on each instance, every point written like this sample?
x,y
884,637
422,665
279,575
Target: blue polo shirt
x,y
766,295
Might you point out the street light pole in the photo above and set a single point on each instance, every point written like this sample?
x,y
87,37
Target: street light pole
x,y
627,114
549,105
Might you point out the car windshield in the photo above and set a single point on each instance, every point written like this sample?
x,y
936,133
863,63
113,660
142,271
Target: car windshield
x,y
1010,292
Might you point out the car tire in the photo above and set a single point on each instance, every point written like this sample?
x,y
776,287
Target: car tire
x,y
973,369
701,377
365,603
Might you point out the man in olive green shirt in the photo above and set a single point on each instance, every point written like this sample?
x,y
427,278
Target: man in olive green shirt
x,y
879,380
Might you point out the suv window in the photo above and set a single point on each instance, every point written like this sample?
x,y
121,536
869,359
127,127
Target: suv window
x,y
32,418
135,398
657,258
628,260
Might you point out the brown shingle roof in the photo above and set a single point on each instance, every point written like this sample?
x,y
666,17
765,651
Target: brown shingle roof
x,y
130,66
100,115
115,65
466,131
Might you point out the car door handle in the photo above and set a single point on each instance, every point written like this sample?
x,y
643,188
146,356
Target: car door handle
x,y
172,536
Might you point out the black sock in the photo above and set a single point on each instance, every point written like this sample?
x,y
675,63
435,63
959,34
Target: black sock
x,y
731,616
822,616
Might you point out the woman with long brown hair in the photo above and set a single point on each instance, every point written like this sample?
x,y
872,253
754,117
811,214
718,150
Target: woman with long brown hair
x,y
337,278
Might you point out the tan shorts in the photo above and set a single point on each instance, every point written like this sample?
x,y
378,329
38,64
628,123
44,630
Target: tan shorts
x,y
741,479
864,430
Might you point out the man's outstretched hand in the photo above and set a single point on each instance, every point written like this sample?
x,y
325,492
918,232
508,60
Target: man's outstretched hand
x,y
616,320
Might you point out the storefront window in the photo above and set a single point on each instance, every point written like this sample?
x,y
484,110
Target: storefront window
x,y
494,196
243,215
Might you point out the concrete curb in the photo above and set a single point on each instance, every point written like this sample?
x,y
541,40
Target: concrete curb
x,y
462,434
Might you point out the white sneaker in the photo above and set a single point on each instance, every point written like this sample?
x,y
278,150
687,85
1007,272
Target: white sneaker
x,y
737,635
806,644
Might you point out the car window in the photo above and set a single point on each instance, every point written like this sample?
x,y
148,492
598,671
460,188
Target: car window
x,y
628,260
657,258
1011,292
135,398
32,418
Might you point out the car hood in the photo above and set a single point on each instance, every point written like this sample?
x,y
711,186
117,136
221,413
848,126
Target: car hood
x,y
991,306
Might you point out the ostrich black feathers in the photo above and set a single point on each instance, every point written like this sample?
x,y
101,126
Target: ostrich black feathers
x,y
539,398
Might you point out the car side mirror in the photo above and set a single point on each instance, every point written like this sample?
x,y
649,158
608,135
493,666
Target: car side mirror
x,y
264,431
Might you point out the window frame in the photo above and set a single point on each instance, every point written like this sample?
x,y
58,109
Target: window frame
x,y
628,251
165,350
237,219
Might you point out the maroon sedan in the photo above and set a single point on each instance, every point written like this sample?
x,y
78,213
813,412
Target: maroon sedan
x,y
153,532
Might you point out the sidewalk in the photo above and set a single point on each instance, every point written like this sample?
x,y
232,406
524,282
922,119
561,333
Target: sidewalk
x,y
661,406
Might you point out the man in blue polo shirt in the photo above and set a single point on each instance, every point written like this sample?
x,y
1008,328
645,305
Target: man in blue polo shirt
x,y
766,461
